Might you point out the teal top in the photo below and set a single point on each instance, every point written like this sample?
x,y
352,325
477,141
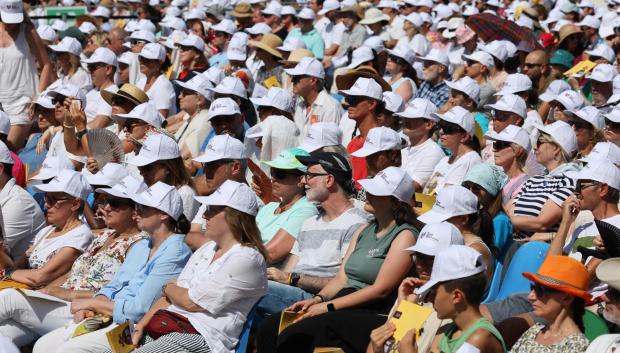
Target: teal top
x,y
447,344
313,41
483,122
290,220
367,258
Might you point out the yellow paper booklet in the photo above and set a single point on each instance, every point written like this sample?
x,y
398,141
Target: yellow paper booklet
x,y
423,203
408,316
9,283
286,319
327,350
271,81
580,69
119,338
92,324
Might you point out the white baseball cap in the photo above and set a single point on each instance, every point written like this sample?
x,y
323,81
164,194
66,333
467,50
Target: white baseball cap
x,y
278,98
391,181
571,100
223,106
174,23
59,25
274,8
602,51
307,66
365,87
68,181
455,262
329,5
590,114
380,139
68,45
68,90
163,197
146,112
102,11
5,155
193,41
360,56
563,134
375,43
52,165
603,171
222,147
405,52
200,84
195,14
44,101
87,27
5,123
102,55
110,174
288,10
320,135
419,108
460,116
510,103
153,51
393,102
451,201
146,25
614,115
259,28
435,237
437,56
603,73
226,26
515,83
231,85
238,47
603,151
234,195
512,134
467,85
497,48
12,11
589,21
156,147
215,75
125,188
143,35
291,44
47,33
553,90
387,4
481,57
306,14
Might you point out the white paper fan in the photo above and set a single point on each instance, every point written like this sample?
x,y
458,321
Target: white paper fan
x,y
105,147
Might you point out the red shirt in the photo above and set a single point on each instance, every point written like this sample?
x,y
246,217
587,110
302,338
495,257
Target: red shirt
x,y
360,170
19,172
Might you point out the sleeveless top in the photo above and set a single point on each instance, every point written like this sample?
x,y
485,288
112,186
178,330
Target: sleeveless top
x,y
17,71
363,265
451,345
402,80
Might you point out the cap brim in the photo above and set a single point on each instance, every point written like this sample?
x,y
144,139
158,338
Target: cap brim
x,y
420,247
98,180
11,18
364,152
433,216
426,287
547,97
113,192
372,187
50,187
277,165
140,161
44,175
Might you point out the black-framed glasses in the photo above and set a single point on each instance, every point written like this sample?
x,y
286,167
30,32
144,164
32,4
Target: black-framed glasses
x,y
531,65
448,128
54,201
282,174
580,124
611,125
117,203
542,291
94,67
310,175
584,184
501,116
500,145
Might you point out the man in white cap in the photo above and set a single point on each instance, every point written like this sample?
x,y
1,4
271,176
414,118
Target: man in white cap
x,y
307,32
102,65
434,87
225,118
223,33
608,272
601,81
478,66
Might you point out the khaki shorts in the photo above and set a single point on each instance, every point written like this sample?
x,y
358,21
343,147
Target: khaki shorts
x,y
17,110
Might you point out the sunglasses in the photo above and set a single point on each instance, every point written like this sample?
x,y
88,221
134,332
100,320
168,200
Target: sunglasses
x,y
355,100
118,203
542,291
542,141
188,92
449,128
501,116
53,201
282,174
94,67
135,42
310,175
185,48
298,78
612,125
580,124
500,145
58,100
142,209
531,65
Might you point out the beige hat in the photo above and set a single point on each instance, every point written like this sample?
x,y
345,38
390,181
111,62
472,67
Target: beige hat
x,y
269,43
296,55
242,9
608,272
127,91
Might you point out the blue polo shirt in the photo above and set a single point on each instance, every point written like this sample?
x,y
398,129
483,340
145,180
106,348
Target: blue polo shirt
x,y
313,41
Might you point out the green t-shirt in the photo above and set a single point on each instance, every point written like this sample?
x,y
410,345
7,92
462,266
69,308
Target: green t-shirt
x,y
290,220
367,258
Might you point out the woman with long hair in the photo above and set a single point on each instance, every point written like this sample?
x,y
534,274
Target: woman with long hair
x,y
193,59
402,75
218,287
153,65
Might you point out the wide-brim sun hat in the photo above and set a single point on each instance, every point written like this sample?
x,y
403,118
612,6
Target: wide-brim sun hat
x,y
269,43
127,91
562,273
347,80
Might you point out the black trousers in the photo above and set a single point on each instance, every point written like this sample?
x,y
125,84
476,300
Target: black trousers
x,y
346,329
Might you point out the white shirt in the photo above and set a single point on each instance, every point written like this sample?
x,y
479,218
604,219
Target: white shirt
x,y
161,93
22,218
226,289
451,174
190,205
395,29
45,247
193,132
324,109
420,161
96,105
325,27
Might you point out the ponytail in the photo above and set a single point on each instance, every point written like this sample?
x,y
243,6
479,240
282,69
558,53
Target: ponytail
x,y
481,224
181,225
578,309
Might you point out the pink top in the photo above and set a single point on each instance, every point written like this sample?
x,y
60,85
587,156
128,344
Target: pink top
x,y
19,172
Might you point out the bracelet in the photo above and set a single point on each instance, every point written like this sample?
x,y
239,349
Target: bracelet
x,y
68,126
320,297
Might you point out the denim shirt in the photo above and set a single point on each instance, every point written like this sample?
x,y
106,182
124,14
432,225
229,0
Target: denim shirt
x,y
139,282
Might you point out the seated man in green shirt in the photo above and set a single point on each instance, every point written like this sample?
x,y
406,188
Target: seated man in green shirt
x,y
306,31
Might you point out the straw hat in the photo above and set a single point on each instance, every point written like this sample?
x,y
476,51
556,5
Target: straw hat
x,y
346,80
242,9
562,273
568,30
356,9
296,55
127,91
269,43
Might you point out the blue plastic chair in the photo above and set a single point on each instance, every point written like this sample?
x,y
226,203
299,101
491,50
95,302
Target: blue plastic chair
x,y
495,283
527,258
244,338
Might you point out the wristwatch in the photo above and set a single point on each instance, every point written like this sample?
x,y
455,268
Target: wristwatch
x,y
331,307
295,278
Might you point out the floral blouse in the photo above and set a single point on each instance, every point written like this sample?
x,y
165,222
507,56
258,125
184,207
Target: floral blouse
x,y
577,343
91,271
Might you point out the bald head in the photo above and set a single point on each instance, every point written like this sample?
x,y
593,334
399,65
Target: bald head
x,y
536,65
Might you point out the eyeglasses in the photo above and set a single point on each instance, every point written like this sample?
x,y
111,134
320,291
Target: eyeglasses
x,y
611,125
94,67
531,65
116,203
355,100
541,141
131,123
584,185
580,124
542,291
500,145
58,100
298,78
310,175
282,174
54,201
502,116
449,128
135,42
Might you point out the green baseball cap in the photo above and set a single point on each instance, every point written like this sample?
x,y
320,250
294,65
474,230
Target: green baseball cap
x,y
287,159
562,57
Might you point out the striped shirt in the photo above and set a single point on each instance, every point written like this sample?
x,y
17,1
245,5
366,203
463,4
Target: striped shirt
x,y
555,186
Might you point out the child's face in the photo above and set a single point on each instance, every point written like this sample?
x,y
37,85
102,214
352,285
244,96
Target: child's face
x,y
442,302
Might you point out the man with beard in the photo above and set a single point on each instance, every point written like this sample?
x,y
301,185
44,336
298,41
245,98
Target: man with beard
x,y
601,81
434,87
323,239
608,272
537,68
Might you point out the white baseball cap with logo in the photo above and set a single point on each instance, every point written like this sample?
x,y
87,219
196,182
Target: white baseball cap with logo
x,y
110,174
512,134
67,45
199,84
451,201
455,262
603,171
68,90
143,35
223,106
391,181
231,85
590,114
226,26
234,195
156,147
361,55
12,11
222,147
193,41
104,56
52,165
393,102
307,66
380,139
515,83
419,108
163,197
146,112
278,98
510,103
459,116
468,86
153,51
563,134
481,57
435,237
68,181
437,56
603,151
320,135
602,51
553,90
125,188
365,87
603,73
571,100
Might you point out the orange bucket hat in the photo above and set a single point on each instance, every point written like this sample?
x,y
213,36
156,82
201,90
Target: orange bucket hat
x,y
562,273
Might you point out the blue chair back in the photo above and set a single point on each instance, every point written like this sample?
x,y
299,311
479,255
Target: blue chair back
x,y
527,258
495,284
244,338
